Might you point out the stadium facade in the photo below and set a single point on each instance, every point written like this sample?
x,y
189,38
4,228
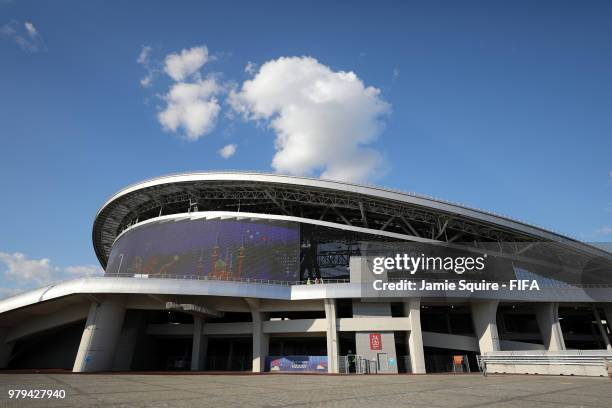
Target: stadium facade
x,y
258,272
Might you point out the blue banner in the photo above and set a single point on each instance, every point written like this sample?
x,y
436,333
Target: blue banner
x,y
304,364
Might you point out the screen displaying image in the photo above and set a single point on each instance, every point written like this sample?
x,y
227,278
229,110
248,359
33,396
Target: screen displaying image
x,y
221,249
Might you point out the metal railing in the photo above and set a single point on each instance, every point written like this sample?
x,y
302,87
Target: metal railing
x,y
225,279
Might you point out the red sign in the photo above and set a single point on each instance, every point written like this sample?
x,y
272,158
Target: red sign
x,y
375,341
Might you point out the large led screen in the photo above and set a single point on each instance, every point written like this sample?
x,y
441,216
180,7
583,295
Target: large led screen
x,y
219,249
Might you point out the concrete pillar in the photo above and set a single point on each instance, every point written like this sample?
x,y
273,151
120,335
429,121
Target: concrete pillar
x,y
412,309
199,345
484,317
261,341
602,330
6,349
134,326
332,335
99,340
547,315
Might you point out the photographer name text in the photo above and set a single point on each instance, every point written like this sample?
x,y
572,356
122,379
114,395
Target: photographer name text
x,y
461,285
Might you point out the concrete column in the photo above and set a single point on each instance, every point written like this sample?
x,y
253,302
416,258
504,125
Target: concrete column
x,y
99,340
412,309
547,315
484,317
261,340
602,330
199,345
6,349
134,326
332,335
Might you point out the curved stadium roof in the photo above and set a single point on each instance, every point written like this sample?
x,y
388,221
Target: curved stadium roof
x,y
342,203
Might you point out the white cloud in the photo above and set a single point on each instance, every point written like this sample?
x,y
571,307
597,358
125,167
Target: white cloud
x,y
32,31
146,81
19,268
84,270
396,73
227,151
143,57
250,68
610,174
144,60
21,273
324,120
192,107
188,62
26,35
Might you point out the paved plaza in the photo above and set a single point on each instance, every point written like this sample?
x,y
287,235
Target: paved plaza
x,y
163,390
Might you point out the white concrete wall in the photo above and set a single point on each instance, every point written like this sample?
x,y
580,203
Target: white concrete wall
x,y
374,324
371,311
450,341
36,324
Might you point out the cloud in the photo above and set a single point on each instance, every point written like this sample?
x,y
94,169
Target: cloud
x,y
31,30
146,81
19,268
188,62
610,174
84,270
25,35
192,107
324,120
396,73
603,231
143,57
191,102
227,151
250,68
21,273
144,60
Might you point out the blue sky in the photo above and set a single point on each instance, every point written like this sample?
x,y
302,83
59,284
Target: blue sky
x,y
503,106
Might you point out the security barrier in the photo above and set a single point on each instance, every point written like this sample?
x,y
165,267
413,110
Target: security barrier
x,y
564,362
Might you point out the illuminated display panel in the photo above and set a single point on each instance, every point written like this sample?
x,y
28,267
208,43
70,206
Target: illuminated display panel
x,y
222,249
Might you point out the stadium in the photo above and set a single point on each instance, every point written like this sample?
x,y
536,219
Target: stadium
x,y
236,271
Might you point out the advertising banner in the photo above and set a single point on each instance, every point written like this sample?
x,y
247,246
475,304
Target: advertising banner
x,y
304,364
